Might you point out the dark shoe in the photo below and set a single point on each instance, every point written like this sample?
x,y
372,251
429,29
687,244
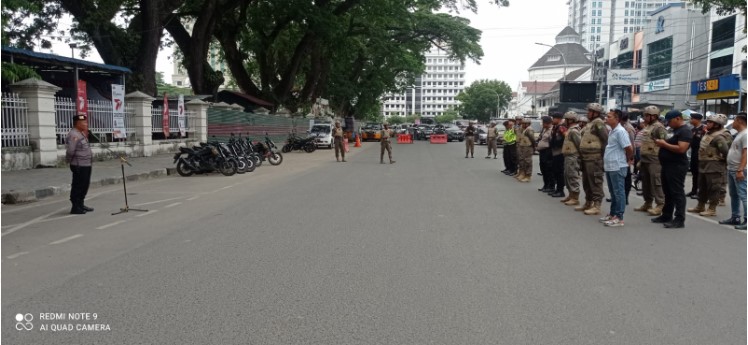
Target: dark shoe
x,y
488,157
608,200
76,210
466,156
505,171
695,197
740,227
544,189
513,174
639,193
495,158
674,225
472,157
90,209
730,221
392,162
660,220
540,174
558,194
692,194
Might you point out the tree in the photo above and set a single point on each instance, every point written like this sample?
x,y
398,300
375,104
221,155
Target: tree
x,y
396,120
447,116
479,100
722,6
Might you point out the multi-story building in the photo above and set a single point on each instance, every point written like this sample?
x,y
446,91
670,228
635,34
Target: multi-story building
x,y
602,21
432,93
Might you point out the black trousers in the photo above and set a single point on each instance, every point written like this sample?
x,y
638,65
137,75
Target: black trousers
x,y
694,173
510,157
79,187
546,167
673,177
627,184
558,172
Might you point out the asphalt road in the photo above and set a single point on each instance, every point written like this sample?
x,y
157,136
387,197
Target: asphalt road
x,y
435,249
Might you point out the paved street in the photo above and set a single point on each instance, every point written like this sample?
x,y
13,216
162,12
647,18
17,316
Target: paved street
x,y
435,249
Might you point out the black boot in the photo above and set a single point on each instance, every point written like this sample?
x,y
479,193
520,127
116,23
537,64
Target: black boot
x,y
730,221
87,209
558,194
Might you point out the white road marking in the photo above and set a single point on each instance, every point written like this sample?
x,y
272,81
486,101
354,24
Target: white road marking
x,y
147,213
172,205
11,257
67,239
44,220
35,220
111,224
193,198
156,202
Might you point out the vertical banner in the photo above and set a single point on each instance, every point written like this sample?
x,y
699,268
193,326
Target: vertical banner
x,y
180,105
118,111
81,99
165,117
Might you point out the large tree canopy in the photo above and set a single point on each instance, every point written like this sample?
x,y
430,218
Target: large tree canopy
x,y
480,99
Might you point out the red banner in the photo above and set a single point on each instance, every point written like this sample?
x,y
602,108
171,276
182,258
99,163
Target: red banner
x,y
165,117
81,100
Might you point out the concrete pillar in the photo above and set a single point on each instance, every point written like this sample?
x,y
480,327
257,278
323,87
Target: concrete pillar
x,y
40,96
200,122
142,105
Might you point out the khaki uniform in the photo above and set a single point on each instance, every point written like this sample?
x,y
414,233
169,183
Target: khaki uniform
x,y
571,158
713,165
525,149
337,134
385,144
469,141
493,134
591,148
650,167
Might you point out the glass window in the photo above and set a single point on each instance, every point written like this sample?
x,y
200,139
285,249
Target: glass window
x,y
660,56
625,30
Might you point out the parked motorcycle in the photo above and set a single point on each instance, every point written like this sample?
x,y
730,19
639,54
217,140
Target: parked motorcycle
x,y
268,150
295,142
206,158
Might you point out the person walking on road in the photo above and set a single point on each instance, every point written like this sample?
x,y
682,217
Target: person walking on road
x,y
492,135
592,147
712,164
385,143
674,164
557,156
510,149
525,149
570,149
736,171
545,157
80,157
337,134
649,165
470,140
697,132
619,154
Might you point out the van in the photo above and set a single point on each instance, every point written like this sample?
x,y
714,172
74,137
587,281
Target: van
x,y
322,133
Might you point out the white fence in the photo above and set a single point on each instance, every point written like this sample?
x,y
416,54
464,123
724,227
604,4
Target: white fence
x,y
157,125
100,119
15,124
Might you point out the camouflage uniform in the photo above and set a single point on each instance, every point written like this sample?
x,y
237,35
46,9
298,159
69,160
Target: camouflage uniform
x,y
650,168
591,148
386,145
337,134
525,150
570,151
712,166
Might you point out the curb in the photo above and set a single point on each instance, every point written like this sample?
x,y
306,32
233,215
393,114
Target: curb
x,y
18,197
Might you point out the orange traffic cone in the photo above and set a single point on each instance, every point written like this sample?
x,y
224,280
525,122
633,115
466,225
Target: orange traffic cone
x,y
358,142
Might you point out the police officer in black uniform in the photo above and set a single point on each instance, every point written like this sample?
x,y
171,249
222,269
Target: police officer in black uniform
x,y
557,142
79,156
697,132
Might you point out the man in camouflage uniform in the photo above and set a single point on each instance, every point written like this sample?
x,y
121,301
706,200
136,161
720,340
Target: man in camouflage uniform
x,y
79,156
592,148
649,163
470,132
337,135
713,151
525,149
492,135
387,133
570,150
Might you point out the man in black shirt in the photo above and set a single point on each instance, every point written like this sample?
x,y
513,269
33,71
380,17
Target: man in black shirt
x,y
697,132
674,163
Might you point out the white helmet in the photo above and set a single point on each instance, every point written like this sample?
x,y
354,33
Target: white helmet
x,y
718,118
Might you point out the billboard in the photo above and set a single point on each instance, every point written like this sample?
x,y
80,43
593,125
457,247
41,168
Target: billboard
x,y
625,77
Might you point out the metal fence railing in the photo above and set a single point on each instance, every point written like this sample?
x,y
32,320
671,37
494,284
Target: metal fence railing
x,y
157,125
100,119
15,123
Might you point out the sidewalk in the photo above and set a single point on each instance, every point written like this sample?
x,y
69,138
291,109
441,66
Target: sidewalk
x,y
32,185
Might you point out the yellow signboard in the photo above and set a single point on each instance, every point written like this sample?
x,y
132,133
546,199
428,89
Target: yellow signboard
x,y
718,95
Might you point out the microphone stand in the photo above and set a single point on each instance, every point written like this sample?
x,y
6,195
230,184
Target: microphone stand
x,y
122,162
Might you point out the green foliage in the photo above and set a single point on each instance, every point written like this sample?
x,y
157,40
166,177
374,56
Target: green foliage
x,y
479,100
12,73
447,117
412,118
722,7
396,120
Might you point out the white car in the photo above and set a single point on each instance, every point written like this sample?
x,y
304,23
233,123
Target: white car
x,y
323,134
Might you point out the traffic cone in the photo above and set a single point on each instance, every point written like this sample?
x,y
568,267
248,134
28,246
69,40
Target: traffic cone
x,y
358,142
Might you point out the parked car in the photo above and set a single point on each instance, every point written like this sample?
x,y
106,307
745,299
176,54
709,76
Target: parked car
x,y
425,131
481,137
323,134
455,133
371,131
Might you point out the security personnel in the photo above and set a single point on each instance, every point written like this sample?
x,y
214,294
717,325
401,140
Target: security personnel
x,y
544,151
337,134
387,133
697,132
674,168
557,143
510,149
649,164
632,136
79,156
592,148
713,151
583,120
492,135
525,149
570,150
470,140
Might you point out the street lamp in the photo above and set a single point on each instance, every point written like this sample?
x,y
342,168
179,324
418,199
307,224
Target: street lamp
x,y
498,102
563,58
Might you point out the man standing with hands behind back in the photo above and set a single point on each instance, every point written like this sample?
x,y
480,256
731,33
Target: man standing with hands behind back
x,y
79,156
337,135
470,140
387,133
674,164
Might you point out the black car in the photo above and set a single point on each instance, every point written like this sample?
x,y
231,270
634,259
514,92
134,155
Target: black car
x,y
455,133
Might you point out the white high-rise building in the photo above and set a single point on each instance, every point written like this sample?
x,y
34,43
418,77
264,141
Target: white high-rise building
x,y
432,93
603,21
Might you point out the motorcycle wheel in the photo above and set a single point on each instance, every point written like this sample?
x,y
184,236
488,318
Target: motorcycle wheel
x,y
250,165
183,169
227,168
310,147
242,165
275,158
257,159
286,148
